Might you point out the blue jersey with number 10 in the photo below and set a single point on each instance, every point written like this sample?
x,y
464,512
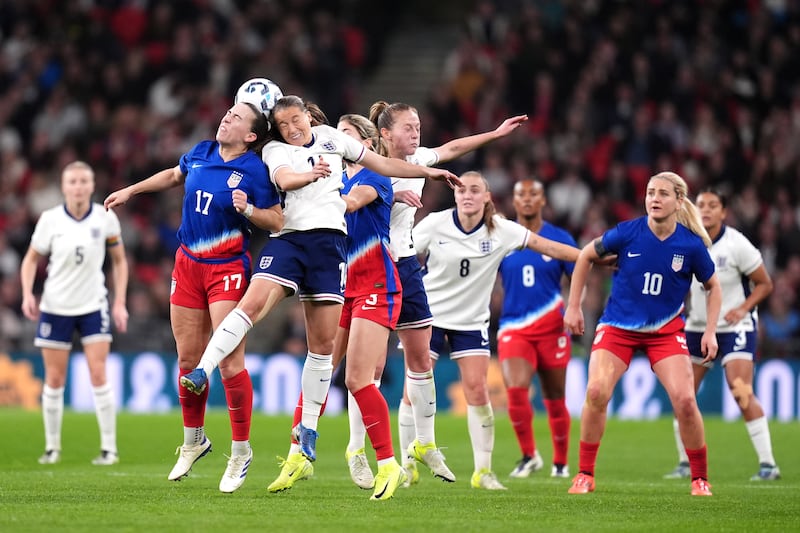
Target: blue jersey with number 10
x,y
210,226
654,276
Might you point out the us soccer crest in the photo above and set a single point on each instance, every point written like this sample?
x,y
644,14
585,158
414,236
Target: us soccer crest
x,y
234,179
677,262
485,246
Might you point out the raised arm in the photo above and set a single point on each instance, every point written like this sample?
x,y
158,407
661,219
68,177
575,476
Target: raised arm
x,y
165,179
458,147
403,169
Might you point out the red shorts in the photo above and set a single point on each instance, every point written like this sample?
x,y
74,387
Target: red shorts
x,y
383,309
196,285
668,341
543,351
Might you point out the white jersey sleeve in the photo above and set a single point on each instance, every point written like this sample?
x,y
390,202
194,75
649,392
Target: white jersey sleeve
x,y
318,205
735,258
461,267
401,222
76,249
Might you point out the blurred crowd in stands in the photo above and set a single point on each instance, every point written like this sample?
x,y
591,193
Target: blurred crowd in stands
x,y
614,91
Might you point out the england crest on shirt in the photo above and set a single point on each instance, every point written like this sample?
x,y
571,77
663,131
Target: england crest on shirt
x,y
485,246
677,262
234,179
329,146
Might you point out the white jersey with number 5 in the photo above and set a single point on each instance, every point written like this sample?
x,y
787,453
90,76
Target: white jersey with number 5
x,y
461,266
735,258
319,204
401,243
75,283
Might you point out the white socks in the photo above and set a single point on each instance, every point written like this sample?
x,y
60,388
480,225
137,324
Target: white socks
x,y
316,381
230,333
422,393
106,410
240,447
760,437
53,414
193,436
406,430
480,420
682,457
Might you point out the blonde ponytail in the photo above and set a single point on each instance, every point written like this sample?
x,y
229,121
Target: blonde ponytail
x,y
688,215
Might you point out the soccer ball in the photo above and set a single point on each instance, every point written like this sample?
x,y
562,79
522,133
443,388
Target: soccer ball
x,y
260,92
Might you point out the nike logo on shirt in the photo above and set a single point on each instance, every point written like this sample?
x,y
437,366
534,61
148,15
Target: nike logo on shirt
x,y
631,254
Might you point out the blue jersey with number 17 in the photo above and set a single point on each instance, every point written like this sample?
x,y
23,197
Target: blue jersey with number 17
x,y
210,226
653,276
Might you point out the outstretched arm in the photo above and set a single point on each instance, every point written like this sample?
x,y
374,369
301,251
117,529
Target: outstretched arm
x,y
458,147
119,270
554,249
165,179
403,169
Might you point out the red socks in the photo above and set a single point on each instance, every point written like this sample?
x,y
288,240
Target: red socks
x,y
239,394
521,414
558,417
193,406
375,413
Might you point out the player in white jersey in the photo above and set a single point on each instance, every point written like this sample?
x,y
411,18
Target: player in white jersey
x,y
462,250
745,283
658,255
75,237
308,256
400,130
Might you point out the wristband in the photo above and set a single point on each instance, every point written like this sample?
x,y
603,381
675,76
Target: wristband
x,y
248,211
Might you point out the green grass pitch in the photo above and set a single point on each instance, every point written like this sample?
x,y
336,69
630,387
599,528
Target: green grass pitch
x,y
136,496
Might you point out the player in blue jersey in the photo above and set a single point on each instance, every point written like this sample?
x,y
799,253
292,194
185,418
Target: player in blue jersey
x,y
462,250
745,283
306,257
226,188
658,256
400,130
531,336
76,237
371,310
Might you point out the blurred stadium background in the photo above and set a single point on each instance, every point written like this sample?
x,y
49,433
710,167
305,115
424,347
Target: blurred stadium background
x,y
615,91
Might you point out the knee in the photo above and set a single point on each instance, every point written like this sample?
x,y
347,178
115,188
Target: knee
x,y
597,395
685,406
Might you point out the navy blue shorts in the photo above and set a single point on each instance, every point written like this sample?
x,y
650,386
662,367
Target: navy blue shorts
x,y
462,343
55,331
310,263
414,312
734,345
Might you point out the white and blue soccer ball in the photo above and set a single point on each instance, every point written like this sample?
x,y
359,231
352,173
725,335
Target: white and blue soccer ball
x,y
260,92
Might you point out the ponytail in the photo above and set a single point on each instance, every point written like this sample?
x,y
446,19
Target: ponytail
x,y
383,114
